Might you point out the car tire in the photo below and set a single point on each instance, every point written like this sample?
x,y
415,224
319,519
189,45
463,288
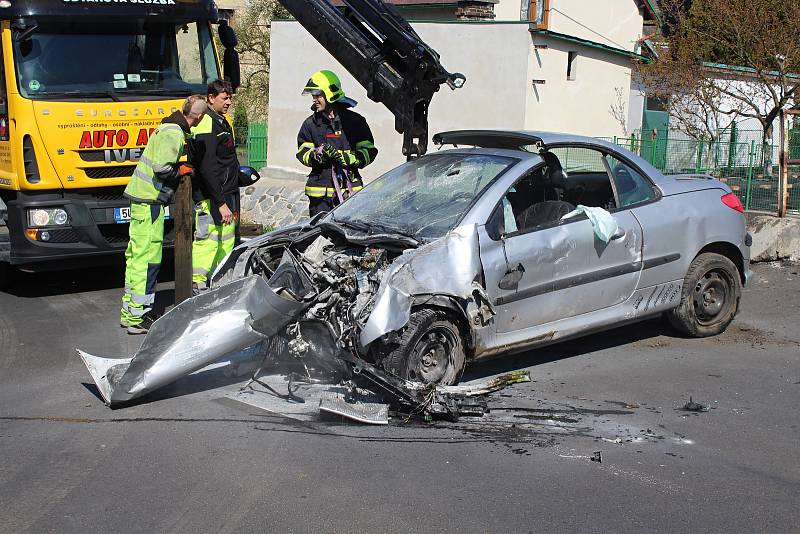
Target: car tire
x,y
431,350
710,297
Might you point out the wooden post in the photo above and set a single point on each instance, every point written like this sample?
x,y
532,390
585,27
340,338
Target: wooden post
x,y
183,240
783,184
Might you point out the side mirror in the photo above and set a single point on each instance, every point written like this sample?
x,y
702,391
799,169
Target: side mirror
x,y
230,58
24,28
230,64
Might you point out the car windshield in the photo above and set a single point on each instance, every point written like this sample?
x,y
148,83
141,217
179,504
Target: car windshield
x,y
424,198
87,60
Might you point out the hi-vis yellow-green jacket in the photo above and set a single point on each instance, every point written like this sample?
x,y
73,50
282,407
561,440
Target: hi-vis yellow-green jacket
x,y
155,178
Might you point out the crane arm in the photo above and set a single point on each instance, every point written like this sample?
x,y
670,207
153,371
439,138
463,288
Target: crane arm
x,y
385,55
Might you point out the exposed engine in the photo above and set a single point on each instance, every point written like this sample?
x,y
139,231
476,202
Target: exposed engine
x,y
338,280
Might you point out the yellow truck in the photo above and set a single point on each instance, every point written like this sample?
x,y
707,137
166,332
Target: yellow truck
x,y
83,83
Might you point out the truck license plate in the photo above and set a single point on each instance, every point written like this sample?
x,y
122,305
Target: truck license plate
x,y
123,215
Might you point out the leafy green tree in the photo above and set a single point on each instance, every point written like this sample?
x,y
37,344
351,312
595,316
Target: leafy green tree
x,y
726,59
252,27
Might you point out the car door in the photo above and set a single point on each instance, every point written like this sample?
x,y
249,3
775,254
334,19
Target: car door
x,y
558,268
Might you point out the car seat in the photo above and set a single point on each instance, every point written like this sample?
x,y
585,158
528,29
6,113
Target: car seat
x,y
542,213
555,177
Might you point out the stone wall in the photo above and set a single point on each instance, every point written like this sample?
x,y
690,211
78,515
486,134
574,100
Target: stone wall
x,y
277,200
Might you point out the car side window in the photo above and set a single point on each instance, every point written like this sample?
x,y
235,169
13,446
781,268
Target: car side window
x,y
632,187
587,181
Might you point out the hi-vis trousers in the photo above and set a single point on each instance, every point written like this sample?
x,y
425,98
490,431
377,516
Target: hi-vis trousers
x,y
212,241
142,261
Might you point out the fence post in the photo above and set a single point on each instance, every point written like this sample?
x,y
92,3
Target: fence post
x,y
732,145
653,150
698,156
750,156
633,142
783,184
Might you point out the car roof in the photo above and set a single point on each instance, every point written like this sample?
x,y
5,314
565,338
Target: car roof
x,y
520,140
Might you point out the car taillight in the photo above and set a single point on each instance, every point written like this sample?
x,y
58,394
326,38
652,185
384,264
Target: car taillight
x,y
3,127
733,202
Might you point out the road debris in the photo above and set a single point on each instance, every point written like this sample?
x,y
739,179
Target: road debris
x,y
692,406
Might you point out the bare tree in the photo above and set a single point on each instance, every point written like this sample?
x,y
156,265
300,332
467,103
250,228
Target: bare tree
x,y
619,109
252,29
726,59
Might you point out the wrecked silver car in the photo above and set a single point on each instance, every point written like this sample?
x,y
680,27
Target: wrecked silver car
x,y
526,238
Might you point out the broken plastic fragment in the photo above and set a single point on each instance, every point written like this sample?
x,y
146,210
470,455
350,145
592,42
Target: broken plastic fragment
x,y
692,406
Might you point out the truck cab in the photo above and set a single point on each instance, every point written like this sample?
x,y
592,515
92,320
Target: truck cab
x,y
82,86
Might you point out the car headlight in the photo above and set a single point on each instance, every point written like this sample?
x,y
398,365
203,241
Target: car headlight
x,y
47,217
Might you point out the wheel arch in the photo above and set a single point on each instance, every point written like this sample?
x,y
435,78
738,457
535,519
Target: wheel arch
x,y
454,309
730,251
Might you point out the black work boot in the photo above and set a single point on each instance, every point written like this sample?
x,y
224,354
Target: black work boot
x,y
143,327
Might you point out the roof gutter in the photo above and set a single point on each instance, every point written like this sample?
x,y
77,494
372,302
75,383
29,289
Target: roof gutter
x,y
590,44
746,70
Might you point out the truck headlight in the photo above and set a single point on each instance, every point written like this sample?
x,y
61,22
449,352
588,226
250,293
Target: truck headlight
x,y
47,217
60,217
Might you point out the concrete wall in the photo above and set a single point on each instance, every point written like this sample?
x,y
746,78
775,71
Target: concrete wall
x,y
581,105
493,97
615,23
508,9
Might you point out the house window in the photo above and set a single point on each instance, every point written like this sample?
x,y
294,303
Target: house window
x,y
572,63
537,12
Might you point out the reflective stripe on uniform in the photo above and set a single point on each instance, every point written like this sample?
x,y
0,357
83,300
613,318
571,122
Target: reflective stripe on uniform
x,y
314,191
157,169
142,176
363,147
305,149
217,237
200,270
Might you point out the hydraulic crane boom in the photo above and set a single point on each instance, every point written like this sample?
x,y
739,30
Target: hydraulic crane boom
x,y
385,55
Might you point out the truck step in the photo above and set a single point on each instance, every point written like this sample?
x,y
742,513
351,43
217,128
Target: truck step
x,y
5,245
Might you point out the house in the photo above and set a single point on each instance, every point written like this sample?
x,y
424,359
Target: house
x,y
559,65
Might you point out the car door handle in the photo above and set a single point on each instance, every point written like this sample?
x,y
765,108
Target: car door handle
x,y
619,234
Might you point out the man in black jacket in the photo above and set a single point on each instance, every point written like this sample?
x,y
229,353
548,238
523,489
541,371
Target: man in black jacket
x,y
335,142
216,185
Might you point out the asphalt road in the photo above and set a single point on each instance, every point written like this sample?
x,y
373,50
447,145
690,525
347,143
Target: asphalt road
x,y
192,461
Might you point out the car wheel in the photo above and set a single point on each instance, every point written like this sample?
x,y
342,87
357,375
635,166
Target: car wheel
x,y
709,297
430,350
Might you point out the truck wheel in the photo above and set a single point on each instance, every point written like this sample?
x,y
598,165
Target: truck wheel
x,y
431,350
5,275
710,297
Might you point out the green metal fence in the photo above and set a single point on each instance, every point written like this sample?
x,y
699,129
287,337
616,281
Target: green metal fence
x,y
257,144
748,167
251,145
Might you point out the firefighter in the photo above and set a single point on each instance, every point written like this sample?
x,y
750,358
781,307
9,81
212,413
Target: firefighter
x,y
335,142
215,187
150,189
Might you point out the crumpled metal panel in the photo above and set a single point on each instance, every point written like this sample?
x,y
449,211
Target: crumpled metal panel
x,y
194,334
447,266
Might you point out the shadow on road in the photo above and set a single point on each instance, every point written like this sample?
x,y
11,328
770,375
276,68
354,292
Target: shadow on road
x,y
66,282
217,377
617,337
